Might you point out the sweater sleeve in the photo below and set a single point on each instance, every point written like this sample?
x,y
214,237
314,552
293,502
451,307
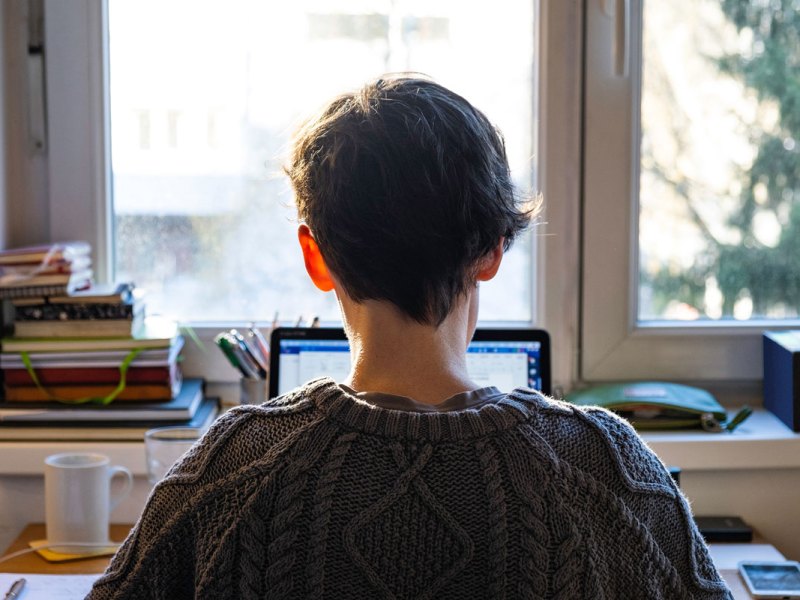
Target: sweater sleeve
x,y
164,552
659,506
133,572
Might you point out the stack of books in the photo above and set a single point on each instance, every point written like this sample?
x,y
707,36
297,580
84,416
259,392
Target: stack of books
x,y
101,388
118,421
88,364
46,270
97,312
94,369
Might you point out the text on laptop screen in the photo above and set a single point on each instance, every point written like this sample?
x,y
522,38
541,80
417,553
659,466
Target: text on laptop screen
x,y
505,365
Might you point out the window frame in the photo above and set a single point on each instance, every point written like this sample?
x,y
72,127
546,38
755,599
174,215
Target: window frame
x,y
614,344
78,138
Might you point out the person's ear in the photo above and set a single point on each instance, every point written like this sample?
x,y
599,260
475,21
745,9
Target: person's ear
x,y
489,264
315,264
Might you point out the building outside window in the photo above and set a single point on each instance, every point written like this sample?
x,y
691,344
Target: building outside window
x,y
202,114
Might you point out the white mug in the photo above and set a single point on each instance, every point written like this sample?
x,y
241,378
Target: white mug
x,y
78,499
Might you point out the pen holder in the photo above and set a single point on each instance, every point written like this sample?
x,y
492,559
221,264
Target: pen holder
x,y
252,391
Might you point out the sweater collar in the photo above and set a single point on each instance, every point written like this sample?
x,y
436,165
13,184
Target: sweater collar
x,y
510,410
461,401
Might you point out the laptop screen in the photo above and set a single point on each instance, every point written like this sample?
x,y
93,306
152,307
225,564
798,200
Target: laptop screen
x,y
506,359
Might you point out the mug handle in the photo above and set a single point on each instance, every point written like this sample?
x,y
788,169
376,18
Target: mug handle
x,y
120,470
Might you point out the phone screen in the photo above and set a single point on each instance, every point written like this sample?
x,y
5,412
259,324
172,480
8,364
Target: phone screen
x,y
768,578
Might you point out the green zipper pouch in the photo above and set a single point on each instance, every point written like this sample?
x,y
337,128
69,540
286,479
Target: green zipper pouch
x,y
658,405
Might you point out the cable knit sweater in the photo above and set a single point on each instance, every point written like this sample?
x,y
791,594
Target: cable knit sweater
x,y
319,494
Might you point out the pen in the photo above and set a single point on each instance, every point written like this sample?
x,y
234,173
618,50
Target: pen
x,y
228,345
258,340
739,418
246,365
253,347
16,589
247,356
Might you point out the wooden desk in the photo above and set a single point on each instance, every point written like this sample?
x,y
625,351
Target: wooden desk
x,y
727,556
33,563
735,583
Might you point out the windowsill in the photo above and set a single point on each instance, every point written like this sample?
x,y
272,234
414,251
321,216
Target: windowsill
x,y
27,458
762,442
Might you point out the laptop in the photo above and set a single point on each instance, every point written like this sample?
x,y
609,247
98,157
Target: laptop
x,y
504,358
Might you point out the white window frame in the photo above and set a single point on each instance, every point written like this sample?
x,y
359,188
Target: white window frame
x,y
79,173
614,345
78,163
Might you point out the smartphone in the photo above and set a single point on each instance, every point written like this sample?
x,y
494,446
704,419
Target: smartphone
x,y
771,579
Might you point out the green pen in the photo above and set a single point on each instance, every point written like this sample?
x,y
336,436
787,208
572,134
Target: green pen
x,y
739,418
226,343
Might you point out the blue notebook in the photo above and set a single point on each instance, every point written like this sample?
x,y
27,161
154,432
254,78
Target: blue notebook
x,y
103,431
183,406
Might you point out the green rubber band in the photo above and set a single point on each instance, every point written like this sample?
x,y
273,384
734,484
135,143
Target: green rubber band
x,y
192,335
105,400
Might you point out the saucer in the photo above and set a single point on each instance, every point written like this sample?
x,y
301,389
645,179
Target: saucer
x,y
51,554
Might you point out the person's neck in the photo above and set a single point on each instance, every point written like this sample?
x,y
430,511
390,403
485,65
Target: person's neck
x,y
393,354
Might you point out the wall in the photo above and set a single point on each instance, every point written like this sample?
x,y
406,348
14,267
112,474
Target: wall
x,y
767,499
3,147
24,211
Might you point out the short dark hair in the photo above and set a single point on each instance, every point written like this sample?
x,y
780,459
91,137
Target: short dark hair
x,y
405,186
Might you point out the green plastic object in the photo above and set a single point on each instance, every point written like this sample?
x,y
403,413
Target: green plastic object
x,y
657,405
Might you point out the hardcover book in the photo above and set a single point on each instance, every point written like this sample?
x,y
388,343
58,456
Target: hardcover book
x,y
94,359
156,333
63,311
183,406
70,278
107,375
51,252
36,291
782,376
53,266
135,392
89,328
132,430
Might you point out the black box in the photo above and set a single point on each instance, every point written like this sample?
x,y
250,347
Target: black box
x,y
782,376
724,529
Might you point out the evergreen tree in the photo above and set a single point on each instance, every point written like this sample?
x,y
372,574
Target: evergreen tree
x,y
770,274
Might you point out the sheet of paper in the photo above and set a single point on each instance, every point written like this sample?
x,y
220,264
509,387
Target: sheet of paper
x,y
728,556
49,587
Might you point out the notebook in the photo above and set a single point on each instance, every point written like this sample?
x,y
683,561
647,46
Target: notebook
x,y
504,358
126,430
183,406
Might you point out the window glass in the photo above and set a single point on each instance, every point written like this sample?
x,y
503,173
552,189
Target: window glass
x,y
204,96
719,223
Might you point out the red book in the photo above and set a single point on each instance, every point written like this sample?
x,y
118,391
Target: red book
x,y
134,392
56,376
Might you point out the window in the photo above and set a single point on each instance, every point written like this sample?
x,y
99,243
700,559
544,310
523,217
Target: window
x,y
720,170
71,202
201,115
692,177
